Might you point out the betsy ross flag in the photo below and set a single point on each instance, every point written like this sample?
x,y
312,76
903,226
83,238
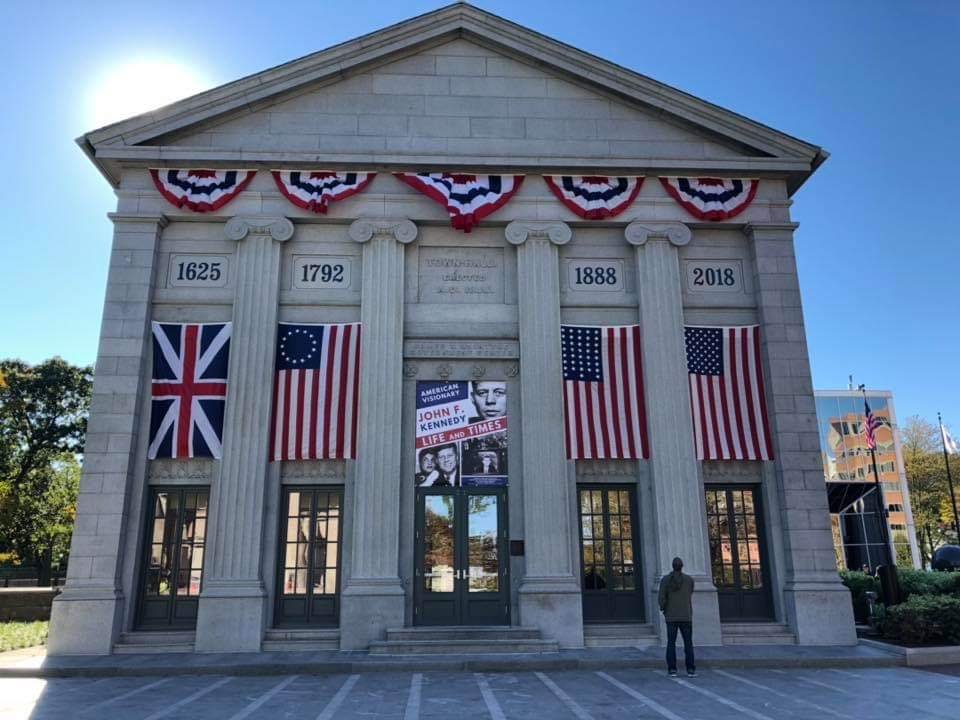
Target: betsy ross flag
x,y
603,404
870,426
189,390
726,393
316,392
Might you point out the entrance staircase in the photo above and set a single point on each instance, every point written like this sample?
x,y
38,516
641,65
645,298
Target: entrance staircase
x,y
757,633
461,640
619,635
300,639
156,641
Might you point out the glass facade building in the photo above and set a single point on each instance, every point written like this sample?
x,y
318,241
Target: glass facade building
x,y
856,505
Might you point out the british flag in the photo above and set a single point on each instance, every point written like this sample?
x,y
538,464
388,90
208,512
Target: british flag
x,y
190,364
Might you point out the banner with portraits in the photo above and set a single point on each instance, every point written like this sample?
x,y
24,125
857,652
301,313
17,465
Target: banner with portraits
x,y
461,433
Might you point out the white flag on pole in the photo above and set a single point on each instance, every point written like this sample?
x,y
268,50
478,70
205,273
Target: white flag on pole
x,y
949,443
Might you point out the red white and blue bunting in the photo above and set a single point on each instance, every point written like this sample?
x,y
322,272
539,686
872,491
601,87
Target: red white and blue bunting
x,y
468,198
595,197
201,190
314,190
712,198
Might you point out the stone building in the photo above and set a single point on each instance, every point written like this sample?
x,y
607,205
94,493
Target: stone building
x,y
354,553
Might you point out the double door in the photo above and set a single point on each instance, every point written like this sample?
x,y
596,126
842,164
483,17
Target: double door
x,y
462,559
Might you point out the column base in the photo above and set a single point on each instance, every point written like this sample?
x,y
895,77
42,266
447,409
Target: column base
x,y
820,613
84,621
706,613
555,607
231,617
368,606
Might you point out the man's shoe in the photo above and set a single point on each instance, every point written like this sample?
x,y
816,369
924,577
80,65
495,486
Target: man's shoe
x,y
672,673
691,673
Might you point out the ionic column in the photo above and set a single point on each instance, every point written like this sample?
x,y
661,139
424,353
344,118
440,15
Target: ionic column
x,y
678,492
817,605
373,599
550,590
232,610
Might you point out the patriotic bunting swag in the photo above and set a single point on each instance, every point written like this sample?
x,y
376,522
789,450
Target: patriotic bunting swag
x,y
314,190
189,390
468,198
201,190
603,406
711,198
316,393
726,393
594,198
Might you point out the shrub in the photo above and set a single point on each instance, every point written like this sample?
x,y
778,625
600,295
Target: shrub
x,y
923,619
921,582
859,584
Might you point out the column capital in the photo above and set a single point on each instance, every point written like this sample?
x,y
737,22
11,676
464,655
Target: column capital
x,y
638,233
518,231
363,229
277,227
753,229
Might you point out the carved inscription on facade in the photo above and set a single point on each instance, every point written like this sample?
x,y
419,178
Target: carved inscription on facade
x,y
714,276
198,271
506,349
321,272
461,275
601,275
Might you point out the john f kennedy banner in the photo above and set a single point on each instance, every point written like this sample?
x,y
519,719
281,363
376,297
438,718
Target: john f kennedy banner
x,y
461,433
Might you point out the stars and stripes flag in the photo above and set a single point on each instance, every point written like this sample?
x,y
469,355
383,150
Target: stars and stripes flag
x,y
190,363
604,413
727,399
316,392
870,426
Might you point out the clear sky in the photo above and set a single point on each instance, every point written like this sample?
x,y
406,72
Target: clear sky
x,y
875,83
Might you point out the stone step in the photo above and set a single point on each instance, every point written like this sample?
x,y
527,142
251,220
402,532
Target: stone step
x,y
619,635
154,642
757,634
485,633
462,647
300,639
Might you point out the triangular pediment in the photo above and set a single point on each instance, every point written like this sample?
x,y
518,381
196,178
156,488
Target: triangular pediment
x,y
458,85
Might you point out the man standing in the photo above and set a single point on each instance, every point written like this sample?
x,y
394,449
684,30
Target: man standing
x,y
676,604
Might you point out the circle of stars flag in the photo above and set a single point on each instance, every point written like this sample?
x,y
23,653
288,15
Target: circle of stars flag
x,y
594,197
467,198
603,405
712,198
314,190
200,190
727,399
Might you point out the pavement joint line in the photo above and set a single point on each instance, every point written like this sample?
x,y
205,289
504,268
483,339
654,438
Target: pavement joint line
x,y
337,700
652,704
568,701
412,711
129,693
493,707
811,681
761,686
189,699
722,700
258,703
847,672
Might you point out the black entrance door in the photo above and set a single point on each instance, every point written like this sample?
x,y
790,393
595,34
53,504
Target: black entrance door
x,y
308,582
172,568
461,557
610,579
737,553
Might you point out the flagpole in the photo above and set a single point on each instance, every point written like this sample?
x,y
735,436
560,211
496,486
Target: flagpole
x,y
879,487
946,461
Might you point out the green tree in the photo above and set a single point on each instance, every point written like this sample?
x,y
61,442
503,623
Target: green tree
x,y
43,420
927,482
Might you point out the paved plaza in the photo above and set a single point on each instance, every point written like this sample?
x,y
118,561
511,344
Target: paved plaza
x,y
713,695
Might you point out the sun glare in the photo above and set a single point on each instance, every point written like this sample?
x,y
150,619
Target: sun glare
x,y
138,86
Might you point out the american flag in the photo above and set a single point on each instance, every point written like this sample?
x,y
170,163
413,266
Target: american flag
x,y
870,426
316,393
603,393
726,393
189,390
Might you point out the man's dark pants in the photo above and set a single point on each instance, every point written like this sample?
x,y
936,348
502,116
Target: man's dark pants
x,y
686,630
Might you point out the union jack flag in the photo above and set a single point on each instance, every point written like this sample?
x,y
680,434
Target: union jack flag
x,y
189,389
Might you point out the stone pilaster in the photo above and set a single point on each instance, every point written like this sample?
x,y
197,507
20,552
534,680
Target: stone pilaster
x,y
817,605
86,616
550,590
678,492
373,599
232,610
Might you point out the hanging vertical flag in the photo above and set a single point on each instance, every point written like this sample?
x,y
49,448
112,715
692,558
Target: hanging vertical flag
x,y
316,392
467,198
189,390
727,399
949,444
604,412
870,426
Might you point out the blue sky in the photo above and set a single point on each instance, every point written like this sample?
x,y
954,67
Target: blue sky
x,y
875,83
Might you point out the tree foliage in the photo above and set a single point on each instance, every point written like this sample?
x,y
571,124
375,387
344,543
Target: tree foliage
x,y
43,420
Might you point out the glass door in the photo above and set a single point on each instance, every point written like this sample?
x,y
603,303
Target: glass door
x,y
172,569
737,553
461,551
